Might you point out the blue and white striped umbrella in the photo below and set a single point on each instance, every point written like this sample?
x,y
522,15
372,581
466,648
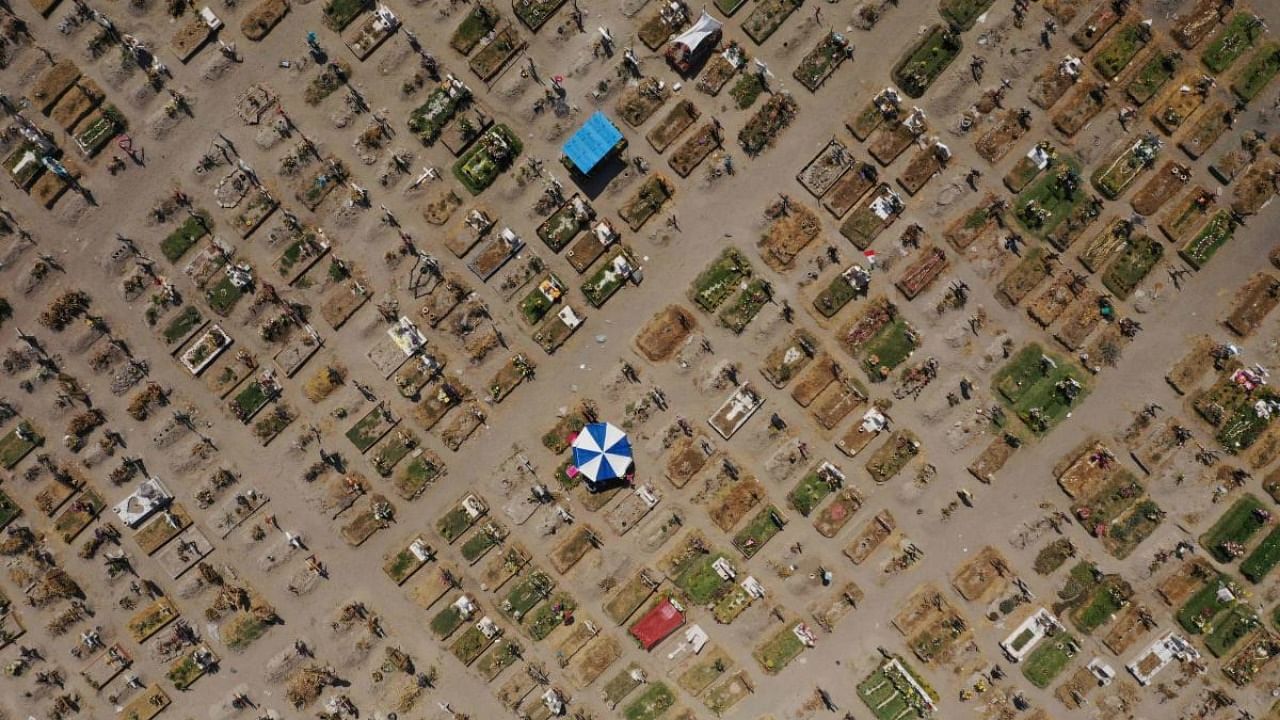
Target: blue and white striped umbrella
x,y
602,452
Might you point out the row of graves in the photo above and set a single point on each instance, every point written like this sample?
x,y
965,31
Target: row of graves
x,y
70,106
56,498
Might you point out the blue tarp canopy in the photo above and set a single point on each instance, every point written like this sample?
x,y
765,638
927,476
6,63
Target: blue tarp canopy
x,y
592,143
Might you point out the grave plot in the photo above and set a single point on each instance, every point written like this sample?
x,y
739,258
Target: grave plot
x,y
1041,156
789,232
1087,101
873,215
1205,131
996,142
749,87
493,153
1050,657
478,23
573,548
696,674
78,515
880,338
933,628
1217,232
263,18
762,128
466,125
368,36
648,199
1186,217
1228,166
463,426
975,224
535,13
1131,265
374,516
832,518
591,663
662,25
1081,218
1178,106
784,646
923,166
1133,622
1105,245
18,443
894,690
402,564
993,457
1154,449
1194,589
1025,276
892,140
1255,300
978,577
665,333
1152,76
826,168
762,528
1167,182
677,120
926,60
882,108
822,61
720,68
618,267
343,301
1121,47
475,640
691,568
1194,25
504,653
631,509
790,358
892,456
685,459
695,149
501,48
1096,26
151,619
480,542
814,487
1256,188
146,704
631,595
732,502
1263,559
1254,655
1116,173
843,289
513,372
1081,320
1237,36
1229,538
324,84
722,696
767,17
719,280
849,189
828,612
1039,388
549,616
1053,82
1185,580
641,100
560,229
1261,68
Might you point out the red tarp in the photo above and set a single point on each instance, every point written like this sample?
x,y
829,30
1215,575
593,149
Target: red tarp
x,y
657,624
